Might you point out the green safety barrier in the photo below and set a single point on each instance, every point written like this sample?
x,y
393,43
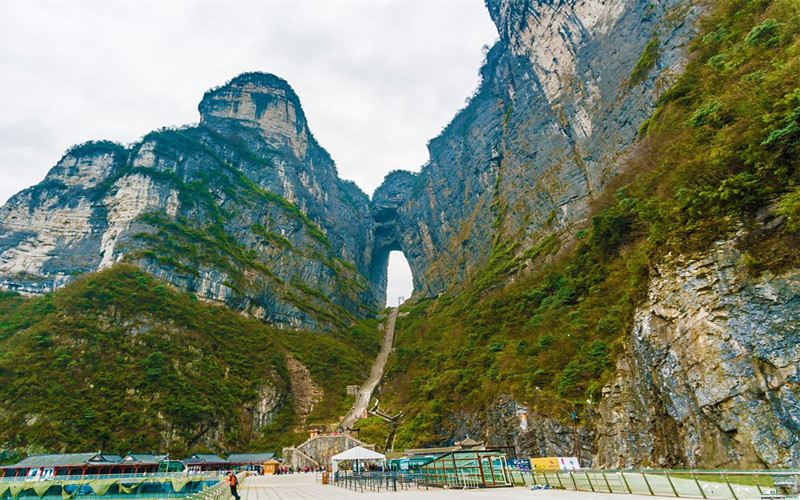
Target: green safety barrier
x,y
131,485
98,486
704,484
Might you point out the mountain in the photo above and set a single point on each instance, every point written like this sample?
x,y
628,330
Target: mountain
x,y
245,209
563,93
603,242
606,240
119,360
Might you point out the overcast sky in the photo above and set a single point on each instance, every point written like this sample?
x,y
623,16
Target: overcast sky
x,y
377,79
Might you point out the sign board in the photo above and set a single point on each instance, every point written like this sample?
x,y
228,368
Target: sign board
x,y
555,463
519,464
548,463
568,463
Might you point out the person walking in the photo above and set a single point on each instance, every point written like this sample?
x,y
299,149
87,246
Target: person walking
x,y
233,481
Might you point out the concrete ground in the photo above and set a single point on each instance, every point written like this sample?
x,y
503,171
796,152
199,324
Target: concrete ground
x,y
304,486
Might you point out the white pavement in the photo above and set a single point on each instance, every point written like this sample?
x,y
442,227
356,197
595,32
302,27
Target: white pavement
x,y
365,392
304,486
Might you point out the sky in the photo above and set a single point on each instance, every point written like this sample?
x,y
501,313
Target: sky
x,y
377,79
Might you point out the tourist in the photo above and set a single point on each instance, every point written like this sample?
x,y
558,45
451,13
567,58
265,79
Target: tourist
x,y
233,481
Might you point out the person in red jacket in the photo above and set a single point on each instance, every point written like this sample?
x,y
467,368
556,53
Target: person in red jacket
x,y
233,481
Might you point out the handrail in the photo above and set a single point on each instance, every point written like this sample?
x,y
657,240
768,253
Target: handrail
x,y
220,491
677,483
371,480
88,477
139,486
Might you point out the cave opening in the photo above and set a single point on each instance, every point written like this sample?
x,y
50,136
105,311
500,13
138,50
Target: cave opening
x,y
400,283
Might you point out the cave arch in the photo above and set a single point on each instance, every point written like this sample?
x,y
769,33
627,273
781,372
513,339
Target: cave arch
x,y
392,229
399,279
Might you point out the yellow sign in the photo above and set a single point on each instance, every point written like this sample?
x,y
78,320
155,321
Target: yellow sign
x,y
550,463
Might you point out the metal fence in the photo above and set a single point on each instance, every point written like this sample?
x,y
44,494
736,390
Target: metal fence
x,y
705,484
89,477
126,487
372,481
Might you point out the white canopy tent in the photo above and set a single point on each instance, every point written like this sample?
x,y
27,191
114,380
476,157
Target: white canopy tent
x,y
357,454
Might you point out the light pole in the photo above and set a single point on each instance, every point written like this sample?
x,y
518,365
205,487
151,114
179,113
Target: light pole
x,y
575,434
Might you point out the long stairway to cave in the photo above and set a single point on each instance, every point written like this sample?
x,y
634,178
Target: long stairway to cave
x,y
365,392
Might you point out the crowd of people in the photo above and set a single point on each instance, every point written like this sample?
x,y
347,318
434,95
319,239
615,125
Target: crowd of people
x,y
291,470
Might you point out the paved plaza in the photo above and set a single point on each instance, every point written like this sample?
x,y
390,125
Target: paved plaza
x,y
304,486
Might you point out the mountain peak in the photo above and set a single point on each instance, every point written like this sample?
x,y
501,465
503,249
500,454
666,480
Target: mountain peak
x,y
263,102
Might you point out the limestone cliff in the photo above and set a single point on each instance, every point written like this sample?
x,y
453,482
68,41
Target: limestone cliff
x,y
710,377
554,115
245,209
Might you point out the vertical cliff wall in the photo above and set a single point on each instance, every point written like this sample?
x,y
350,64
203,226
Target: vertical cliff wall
x,y
560,103
711,377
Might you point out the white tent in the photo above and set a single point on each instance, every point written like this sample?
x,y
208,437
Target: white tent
x,y
358,454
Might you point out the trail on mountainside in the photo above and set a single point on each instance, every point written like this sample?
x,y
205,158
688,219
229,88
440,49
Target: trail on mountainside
x,y
365,392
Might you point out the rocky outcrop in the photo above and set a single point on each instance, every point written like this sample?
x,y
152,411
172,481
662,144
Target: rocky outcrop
x,y
711,376
553,117
305,393
245,209
290,242
535,435
507,423
391,231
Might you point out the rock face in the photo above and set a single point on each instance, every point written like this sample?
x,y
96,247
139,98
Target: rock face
x,y
245,209
554,115
508,423
711,376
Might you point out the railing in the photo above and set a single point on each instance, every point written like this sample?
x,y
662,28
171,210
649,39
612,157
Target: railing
x,y
219,491
372,481
88,477
120,486
705,484
461,480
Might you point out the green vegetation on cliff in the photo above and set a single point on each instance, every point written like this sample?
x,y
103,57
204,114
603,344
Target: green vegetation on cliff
x,y
228,224
120,361
719,154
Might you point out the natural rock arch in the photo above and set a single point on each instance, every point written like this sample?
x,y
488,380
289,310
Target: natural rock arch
x,y
391,228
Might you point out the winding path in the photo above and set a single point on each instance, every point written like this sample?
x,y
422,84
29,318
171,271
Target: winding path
x,y
365,392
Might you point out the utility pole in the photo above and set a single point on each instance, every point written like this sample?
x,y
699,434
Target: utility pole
x,y
575,435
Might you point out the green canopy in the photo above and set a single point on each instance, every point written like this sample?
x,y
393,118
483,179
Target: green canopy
x,y
16,488
100,486
64,493
40,487
130,484
178,483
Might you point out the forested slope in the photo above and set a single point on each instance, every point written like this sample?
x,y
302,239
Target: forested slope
x,y
713,179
